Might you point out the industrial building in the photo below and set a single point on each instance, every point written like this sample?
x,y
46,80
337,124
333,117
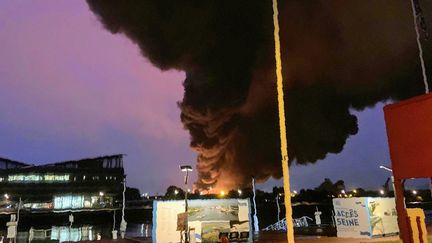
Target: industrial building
x,y
91,184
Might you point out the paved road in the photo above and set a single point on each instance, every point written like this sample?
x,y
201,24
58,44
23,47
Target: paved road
x,y
274,237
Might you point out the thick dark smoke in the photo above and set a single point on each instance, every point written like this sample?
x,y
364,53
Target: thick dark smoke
x,y
337,55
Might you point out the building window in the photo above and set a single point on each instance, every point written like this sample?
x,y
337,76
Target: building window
x,y
68,201
35,178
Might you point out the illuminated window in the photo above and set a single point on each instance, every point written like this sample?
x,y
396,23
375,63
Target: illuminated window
x,y
68,201
87,203
94,200
63,234
37,205
34,178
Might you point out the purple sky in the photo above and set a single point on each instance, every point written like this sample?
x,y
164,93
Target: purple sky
x,y
69,89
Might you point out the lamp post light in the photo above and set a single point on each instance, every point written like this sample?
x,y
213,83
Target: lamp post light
x,y
389,169
386,168
186,168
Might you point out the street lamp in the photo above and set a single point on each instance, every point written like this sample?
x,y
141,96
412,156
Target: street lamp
x,y
386,168
389,169
186,168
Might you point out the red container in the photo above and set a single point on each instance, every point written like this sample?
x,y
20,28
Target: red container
x,y
409,132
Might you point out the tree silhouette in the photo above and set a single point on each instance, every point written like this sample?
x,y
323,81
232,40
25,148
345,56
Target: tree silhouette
x,y
171,193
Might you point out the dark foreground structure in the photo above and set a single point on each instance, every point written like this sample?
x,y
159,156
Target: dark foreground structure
x,y
92,184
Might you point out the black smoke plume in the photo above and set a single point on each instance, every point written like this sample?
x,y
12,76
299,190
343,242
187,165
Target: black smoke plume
x,y
337,55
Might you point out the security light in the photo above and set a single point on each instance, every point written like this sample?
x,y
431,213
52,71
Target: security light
x,y
185,168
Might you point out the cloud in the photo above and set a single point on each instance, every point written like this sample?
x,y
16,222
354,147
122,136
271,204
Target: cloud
x,y
336,55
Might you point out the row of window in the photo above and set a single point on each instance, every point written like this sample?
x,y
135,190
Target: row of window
x,y
82,201
64,233
6,164
53,178
116,162
97,178
108,163
38,178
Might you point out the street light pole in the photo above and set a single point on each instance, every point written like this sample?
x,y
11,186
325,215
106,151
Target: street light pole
x,y
186,168
255,217
391,177
186,191
278,208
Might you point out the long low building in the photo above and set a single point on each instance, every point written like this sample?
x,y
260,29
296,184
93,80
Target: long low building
x,y
86,184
